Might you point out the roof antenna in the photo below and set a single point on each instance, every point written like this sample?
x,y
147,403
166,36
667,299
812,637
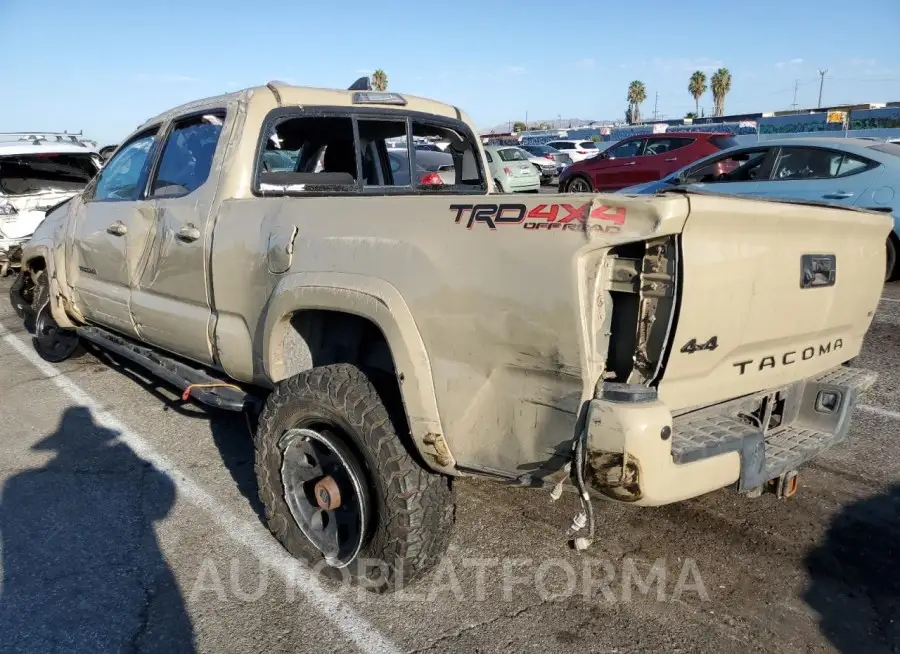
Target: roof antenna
x,y
362,84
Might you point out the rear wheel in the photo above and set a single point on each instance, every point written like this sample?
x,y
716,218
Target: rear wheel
x,y
891,267
341,490
579,184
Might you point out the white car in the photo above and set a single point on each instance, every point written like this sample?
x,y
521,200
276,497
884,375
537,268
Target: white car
x,y
546,168
578,150
38,172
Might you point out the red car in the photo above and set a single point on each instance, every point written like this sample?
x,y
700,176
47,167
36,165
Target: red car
x,y
641,158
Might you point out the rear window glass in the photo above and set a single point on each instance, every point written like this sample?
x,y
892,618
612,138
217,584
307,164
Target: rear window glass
x,y
723,142
588,145
887,148
512,154
46,172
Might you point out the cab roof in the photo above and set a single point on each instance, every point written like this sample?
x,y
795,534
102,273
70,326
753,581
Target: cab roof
x,y
289,95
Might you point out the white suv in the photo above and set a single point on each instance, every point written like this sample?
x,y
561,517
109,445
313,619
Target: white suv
x,y
37,172
578,150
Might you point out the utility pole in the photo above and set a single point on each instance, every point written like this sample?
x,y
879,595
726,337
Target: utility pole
x,y
821,83
656,106
796,84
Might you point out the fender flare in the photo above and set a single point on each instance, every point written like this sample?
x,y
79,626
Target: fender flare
x,y
381,303
57,309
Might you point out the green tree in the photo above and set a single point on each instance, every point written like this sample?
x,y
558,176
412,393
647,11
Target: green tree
x,y
697,87
637,93
690,114
379,80
721,85
519,126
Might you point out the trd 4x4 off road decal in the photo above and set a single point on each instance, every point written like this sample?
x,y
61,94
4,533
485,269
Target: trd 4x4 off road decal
x,y
561,217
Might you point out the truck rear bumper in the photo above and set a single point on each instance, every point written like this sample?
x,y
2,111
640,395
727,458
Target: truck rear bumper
x,y
638,452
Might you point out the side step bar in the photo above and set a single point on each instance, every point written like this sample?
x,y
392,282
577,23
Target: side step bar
x,y
195,382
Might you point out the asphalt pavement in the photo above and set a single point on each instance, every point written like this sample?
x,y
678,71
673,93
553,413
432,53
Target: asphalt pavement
x,y
129,521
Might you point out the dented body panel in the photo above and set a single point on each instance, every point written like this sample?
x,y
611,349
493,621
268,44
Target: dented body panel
x,y
502,315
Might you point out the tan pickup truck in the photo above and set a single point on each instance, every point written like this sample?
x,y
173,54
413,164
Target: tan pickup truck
x,y
271,250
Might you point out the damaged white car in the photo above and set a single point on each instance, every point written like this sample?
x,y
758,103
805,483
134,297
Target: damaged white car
x,y
38,172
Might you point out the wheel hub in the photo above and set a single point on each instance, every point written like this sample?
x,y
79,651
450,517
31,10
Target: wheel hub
x,y
326,492
328,495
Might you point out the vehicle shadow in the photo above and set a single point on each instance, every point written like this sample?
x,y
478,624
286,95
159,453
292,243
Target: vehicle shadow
x,y
82,569
855,576
231,431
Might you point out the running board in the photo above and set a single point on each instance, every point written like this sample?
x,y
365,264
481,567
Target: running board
x,y
193,382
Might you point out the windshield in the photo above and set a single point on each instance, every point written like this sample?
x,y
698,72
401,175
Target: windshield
x,y
27,174
512,154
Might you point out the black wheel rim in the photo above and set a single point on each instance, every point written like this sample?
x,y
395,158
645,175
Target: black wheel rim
x,y
53,342
309,456
578,185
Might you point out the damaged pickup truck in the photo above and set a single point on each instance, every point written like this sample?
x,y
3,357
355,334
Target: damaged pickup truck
x,y
395,333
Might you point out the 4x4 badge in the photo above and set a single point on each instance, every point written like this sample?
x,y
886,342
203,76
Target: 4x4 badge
x,y
693,346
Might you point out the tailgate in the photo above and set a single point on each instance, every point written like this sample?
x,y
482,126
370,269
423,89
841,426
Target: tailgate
x,y
748,319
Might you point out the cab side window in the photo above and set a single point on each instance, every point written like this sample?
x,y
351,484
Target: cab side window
x,y
121,178
188,155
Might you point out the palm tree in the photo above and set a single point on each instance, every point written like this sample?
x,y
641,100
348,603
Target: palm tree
x,y
697,87
721,85
637,93
379,80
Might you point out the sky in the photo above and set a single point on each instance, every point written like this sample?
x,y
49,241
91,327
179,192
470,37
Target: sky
x,y
106,66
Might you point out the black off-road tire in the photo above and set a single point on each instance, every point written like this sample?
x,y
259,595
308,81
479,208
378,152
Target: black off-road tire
x,y
890,274
413,508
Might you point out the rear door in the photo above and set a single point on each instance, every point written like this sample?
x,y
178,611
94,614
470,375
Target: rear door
x,y
618,167
171,301
660,158
112,227
820,175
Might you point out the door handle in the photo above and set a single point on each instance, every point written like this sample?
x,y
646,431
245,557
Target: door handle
x,y
118,228
838,195
629,163
188,233
672,159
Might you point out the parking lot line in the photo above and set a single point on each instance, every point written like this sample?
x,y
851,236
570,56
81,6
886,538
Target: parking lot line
x,y
886,413
356,628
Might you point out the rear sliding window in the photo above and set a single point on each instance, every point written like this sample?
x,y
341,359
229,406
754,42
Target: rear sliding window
x,y
30,174
723,142
322,155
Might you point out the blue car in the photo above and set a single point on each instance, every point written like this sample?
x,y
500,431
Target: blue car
x,y
860,173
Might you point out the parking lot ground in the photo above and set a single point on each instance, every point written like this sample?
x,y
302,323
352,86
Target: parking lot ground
x,y
129,521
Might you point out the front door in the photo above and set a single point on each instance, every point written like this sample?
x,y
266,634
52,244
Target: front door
x,y
171,300
111,232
